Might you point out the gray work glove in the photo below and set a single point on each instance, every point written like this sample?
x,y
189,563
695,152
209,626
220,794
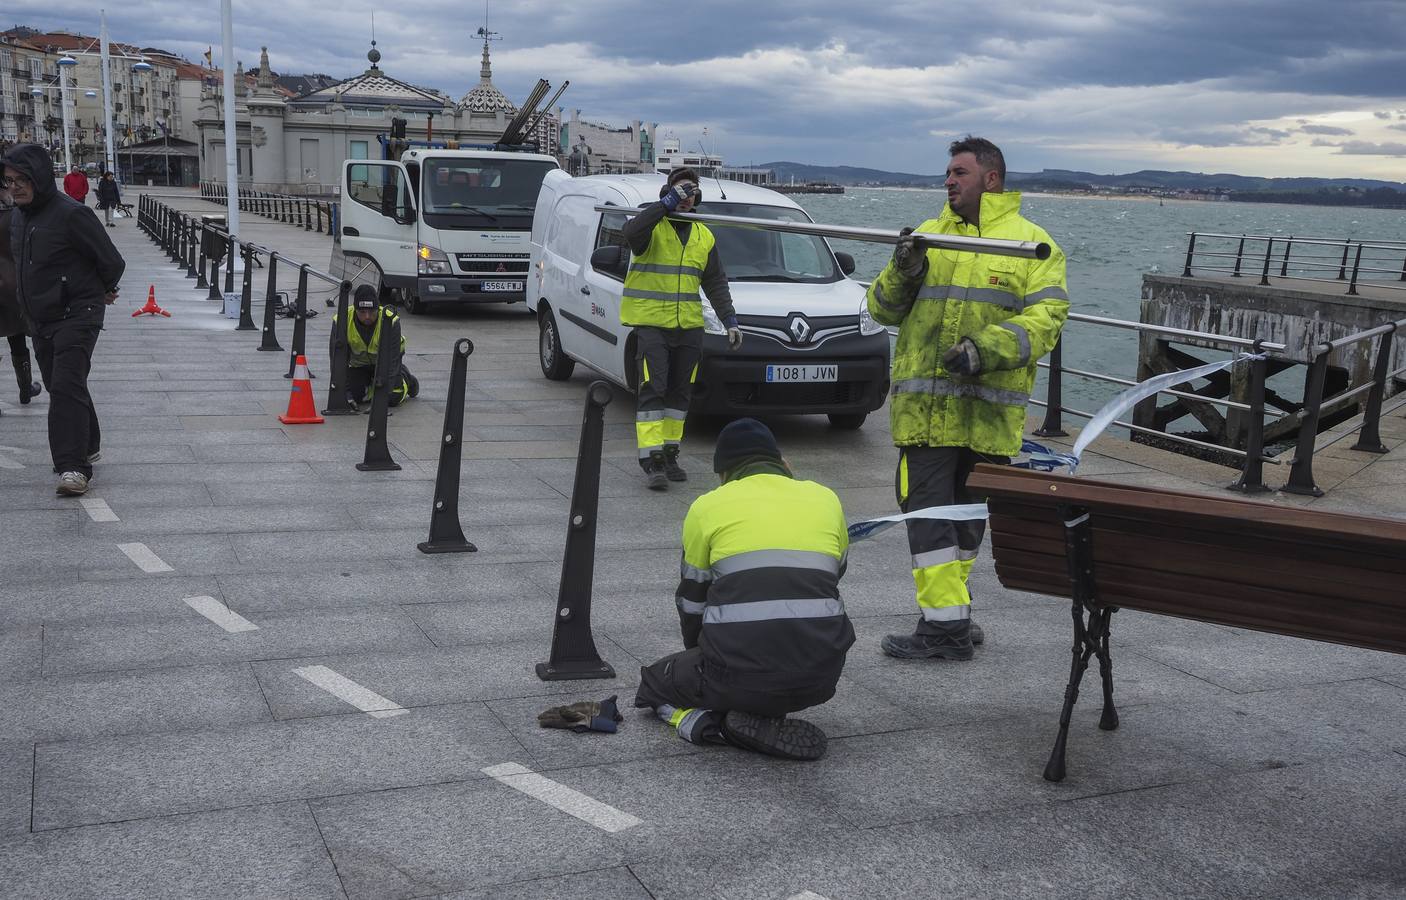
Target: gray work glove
x,y
908,258
583,716
734,338
678,194
962,358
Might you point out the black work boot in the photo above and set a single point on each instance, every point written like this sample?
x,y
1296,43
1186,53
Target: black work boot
x,y
671,464
783,737
24,374
653,466
951,640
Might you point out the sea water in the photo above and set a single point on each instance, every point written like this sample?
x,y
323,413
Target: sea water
x,y
1109,243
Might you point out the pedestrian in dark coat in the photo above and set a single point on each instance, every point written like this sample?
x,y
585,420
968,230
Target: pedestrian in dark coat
x,y
11,322
67,272
108,197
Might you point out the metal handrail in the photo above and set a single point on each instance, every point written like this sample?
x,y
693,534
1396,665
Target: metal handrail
x,y
1181,439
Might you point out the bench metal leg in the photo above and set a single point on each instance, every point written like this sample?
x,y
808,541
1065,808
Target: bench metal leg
x,y
1090,634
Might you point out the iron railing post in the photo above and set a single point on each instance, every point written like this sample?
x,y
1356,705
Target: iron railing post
x,y
1356,267
1239,257
1301,471
1268,252
1369,438
1190,250
1252,475
1342,266
1284,265
1053,426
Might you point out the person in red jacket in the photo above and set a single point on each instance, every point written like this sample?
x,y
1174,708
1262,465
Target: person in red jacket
x,y
75,184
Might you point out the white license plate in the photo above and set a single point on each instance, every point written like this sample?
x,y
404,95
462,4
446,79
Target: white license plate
x,y
502,285
802,373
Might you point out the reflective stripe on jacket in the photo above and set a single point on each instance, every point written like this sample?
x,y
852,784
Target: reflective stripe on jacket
x,y
1011,308
762,559
661,288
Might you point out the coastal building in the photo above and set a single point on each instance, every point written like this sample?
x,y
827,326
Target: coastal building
x,y
296,144
590,148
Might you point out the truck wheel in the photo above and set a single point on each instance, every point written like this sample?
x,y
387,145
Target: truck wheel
x,y
412,302
556,365
847,421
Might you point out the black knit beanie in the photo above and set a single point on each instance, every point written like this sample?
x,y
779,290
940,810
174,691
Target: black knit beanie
x,y
742,439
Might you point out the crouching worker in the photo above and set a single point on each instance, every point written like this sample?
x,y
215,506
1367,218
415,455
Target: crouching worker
x,y
369,324
764,629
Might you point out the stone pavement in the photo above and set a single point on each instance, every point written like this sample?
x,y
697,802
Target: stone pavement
x,y
147,751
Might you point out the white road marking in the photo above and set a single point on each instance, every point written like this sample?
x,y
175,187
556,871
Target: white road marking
x,y
220,614
343,688
146,560
98,510
807,895
569,801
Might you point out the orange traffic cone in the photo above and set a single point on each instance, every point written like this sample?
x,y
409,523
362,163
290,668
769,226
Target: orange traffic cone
x,y
151,309
301,409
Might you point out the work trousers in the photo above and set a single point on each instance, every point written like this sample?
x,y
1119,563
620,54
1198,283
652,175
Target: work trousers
x,y
19,354
668,365
679,680
943,552
64,351
361,380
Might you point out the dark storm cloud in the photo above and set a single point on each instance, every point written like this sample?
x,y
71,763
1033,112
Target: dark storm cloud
x,y
1369,148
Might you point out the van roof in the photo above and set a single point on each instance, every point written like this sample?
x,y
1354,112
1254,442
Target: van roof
x,y
420,153
644,188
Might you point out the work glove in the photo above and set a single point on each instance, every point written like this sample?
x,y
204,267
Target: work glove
x,y
678,194
908,258
962,358
584,716
734,337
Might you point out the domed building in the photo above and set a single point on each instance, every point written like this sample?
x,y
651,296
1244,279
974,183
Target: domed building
x,y
297,145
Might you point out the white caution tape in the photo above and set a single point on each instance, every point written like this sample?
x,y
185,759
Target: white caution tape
x,y
1041,458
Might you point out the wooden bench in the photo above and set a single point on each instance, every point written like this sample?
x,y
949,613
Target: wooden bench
x,y
1299,572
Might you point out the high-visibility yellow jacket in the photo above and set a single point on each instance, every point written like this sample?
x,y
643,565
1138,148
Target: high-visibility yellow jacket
x,y
362,353
661,287
1011,308
759,593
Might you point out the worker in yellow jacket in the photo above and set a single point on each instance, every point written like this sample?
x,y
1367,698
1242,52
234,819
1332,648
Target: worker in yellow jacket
x,y
368,324
671,261
972,327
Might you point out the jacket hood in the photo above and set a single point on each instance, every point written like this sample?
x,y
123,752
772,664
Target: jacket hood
x,y
33,160
995,205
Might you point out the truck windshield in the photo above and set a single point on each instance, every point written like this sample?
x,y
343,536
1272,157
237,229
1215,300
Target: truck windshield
x,y
754,255
473,193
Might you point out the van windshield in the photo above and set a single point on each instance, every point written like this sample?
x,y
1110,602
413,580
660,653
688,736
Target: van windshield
x,y
474,193
754,255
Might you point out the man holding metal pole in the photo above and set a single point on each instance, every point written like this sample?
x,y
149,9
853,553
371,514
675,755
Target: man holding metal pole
x,y
672,260
972,327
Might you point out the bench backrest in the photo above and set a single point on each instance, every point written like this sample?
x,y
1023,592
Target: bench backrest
x,y
1301,572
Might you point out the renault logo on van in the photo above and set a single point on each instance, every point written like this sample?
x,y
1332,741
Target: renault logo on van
x,y
800,330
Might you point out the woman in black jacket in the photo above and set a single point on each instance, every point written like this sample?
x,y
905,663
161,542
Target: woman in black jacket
x,y
11,324
108,197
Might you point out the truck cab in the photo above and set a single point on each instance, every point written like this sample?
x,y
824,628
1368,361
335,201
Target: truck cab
x,y
809,345
442,225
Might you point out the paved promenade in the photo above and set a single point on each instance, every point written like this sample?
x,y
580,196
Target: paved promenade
x,y
227,672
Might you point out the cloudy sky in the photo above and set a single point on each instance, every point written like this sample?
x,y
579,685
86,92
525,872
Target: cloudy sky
x,y
1257,88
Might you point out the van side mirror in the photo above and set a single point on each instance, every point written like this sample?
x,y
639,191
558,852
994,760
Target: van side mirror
x,y
612,259
405,215
846,262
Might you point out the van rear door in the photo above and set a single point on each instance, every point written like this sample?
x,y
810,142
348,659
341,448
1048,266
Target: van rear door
x,y
379,220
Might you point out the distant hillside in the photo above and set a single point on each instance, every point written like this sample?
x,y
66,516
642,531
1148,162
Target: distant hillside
x,y
1067,179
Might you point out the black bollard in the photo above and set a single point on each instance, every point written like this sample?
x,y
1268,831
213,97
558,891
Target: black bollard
x,y
229,265
246,299
574,653
446,534
270,341
378,452
300,328
337,389
200,282
191,238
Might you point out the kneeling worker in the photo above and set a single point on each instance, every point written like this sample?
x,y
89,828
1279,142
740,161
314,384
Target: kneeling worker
x,y
369,323
759,605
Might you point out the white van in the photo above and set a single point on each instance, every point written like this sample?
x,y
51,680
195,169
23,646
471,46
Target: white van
x,y
809,345
442,226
